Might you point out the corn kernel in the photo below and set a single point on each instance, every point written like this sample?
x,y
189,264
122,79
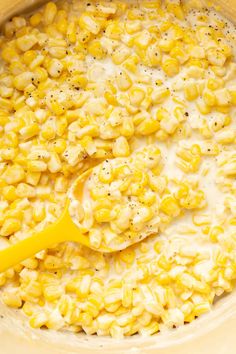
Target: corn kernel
x,y
50,12
89,23
169,206
10,226
14,174
191,91
12,299
124,82
147,127
170,67
96,50
121,147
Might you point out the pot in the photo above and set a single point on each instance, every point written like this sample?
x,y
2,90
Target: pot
x,y
212,333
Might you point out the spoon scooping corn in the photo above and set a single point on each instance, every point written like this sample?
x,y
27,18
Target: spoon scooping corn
x,y
109,208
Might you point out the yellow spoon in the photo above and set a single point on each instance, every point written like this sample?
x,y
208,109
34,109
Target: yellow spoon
x,y
64,229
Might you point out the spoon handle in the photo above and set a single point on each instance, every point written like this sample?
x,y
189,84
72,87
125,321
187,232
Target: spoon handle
x,y
26,248
63,230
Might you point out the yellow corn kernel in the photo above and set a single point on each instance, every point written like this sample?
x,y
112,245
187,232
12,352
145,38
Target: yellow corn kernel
x,y
215,57
153,56
219,71
180,114
191,91
33,178
131,63
103,215
176,9
10,226
39,213
50,12
52,292
55,52
226,50
26,42
61,126
214,84
11,139
136,95
48,132
59,145
23,80
179,54
123,80
55,68
160,95
147,127
169,205
143,39
8,53
24,190
38,320
170,67
225,136
203,108
41,74
127,256
201,308
29,131
28,308
223,97
161,114
89,23
6,92
36,166
110,98
121,147
8,154
84,36
9,193
95,238
133,26
120,54
71,32
114,30
14,174
54,163
106,174
35,19
127,128
169,123
12,299
61,184
52,262
166,45
152,328
96,50
209,98
29,56
199,63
